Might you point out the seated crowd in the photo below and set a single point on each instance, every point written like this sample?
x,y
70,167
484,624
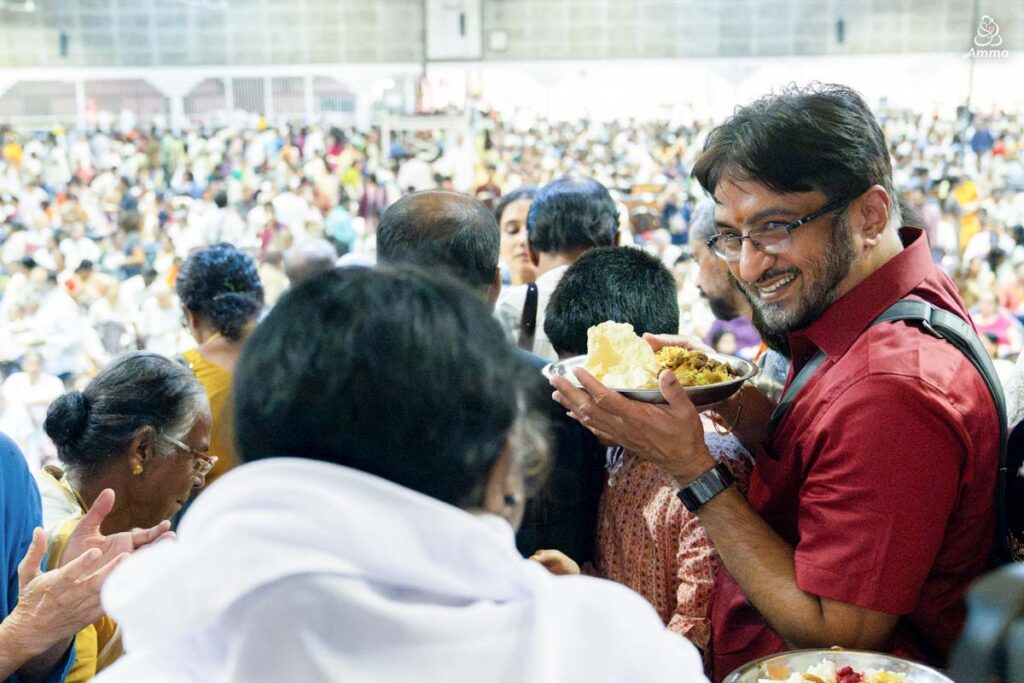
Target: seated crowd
x,y
369,479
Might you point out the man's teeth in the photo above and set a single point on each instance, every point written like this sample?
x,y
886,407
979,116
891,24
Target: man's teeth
x,y
781,283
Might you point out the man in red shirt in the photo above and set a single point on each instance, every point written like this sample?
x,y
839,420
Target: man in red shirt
x,y
871,505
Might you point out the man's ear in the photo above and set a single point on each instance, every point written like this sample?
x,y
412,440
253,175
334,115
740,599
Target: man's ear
x,y
533,253
869,214
495,289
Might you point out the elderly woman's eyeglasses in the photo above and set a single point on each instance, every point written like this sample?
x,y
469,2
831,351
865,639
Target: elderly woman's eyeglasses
x,y
771,238
202,462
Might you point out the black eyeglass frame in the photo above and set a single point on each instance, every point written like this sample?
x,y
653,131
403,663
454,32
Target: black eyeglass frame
x,y
712,242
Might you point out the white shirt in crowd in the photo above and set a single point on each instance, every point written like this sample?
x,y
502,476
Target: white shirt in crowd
x,y
25,400
509,310
325,573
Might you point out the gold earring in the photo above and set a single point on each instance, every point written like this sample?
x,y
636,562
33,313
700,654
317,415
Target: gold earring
x,y
137,471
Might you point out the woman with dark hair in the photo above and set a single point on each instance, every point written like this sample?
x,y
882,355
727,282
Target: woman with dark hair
x,y
221,298
511,212
369,536
141,427
568,216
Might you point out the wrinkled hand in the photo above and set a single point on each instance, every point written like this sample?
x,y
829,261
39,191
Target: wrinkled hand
x,y
669,435
87,534
556,562
56,605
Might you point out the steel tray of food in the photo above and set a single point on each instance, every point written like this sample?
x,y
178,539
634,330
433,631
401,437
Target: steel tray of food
x,y
834,666
701,395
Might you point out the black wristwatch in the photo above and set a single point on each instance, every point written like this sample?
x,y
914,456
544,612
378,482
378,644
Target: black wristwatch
x,y
705,487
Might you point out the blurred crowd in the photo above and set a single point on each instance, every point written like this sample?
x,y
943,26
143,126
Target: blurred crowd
x,y
94,225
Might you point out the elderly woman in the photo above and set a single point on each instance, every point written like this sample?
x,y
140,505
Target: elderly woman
x,y
221,298
371,528
140,428
40,613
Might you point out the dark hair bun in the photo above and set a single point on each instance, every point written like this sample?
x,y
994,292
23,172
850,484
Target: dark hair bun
x,y
67,418
230,312
223,285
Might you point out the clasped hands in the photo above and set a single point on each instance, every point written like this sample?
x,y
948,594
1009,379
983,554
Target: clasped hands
x,y
53,606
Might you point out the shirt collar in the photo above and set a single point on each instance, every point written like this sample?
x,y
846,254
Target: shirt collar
x,y
552,276
840,324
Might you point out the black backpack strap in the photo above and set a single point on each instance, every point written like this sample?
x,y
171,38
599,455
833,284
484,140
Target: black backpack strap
x,y
959,333
528,323
809,368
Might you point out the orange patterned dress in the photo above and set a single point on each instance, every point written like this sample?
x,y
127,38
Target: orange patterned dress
x,y
648,541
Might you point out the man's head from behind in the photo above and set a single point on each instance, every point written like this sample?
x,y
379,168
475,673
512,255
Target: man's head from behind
x,y
401,374
309,258
439,228
569,216
814,155
623,284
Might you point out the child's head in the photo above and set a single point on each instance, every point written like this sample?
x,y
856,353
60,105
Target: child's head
x,y
623,284
724,341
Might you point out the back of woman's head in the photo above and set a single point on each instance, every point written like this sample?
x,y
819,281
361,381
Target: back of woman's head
x,y
397,373
222,285
91,428
570,214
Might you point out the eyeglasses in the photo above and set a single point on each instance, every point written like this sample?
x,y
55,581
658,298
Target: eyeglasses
x,y
202,462
771,238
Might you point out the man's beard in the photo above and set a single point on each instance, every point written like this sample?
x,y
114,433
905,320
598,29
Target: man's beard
x,y
773,322
721,308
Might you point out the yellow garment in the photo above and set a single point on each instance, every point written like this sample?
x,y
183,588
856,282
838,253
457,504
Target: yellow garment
x,y
217,382
13,153
965,194
99,645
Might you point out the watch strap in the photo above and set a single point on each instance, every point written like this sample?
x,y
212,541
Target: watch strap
x,y
705,487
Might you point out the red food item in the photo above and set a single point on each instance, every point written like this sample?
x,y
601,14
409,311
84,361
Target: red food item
x,y
848,675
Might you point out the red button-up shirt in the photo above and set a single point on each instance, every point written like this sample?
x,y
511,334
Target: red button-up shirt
x,y
882,474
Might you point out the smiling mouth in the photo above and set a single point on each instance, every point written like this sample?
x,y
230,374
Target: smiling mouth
x,y
777,285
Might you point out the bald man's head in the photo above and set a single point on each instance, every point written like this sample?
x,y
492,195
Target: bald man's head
x,y
440,228
309,258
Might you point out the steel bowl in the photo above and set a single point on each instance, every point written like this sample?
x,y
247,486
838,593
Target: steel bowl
x,y
700,396
798,661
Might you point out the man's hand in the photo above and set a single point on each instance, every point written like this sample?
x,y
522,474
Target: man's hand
x,y
749,423
669,435
657,341
556,562
87,535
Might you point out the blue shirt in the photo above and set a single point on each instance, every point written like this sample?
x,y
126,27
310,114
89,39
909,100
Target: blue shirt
x,y
21,512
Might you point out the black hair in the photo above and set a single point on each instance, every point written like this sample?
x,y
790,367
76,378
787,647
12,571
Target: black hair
x,y
523,193
719,333
570,214
221,199
440,228
820,137
222,285
623,284
400,374
138,389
